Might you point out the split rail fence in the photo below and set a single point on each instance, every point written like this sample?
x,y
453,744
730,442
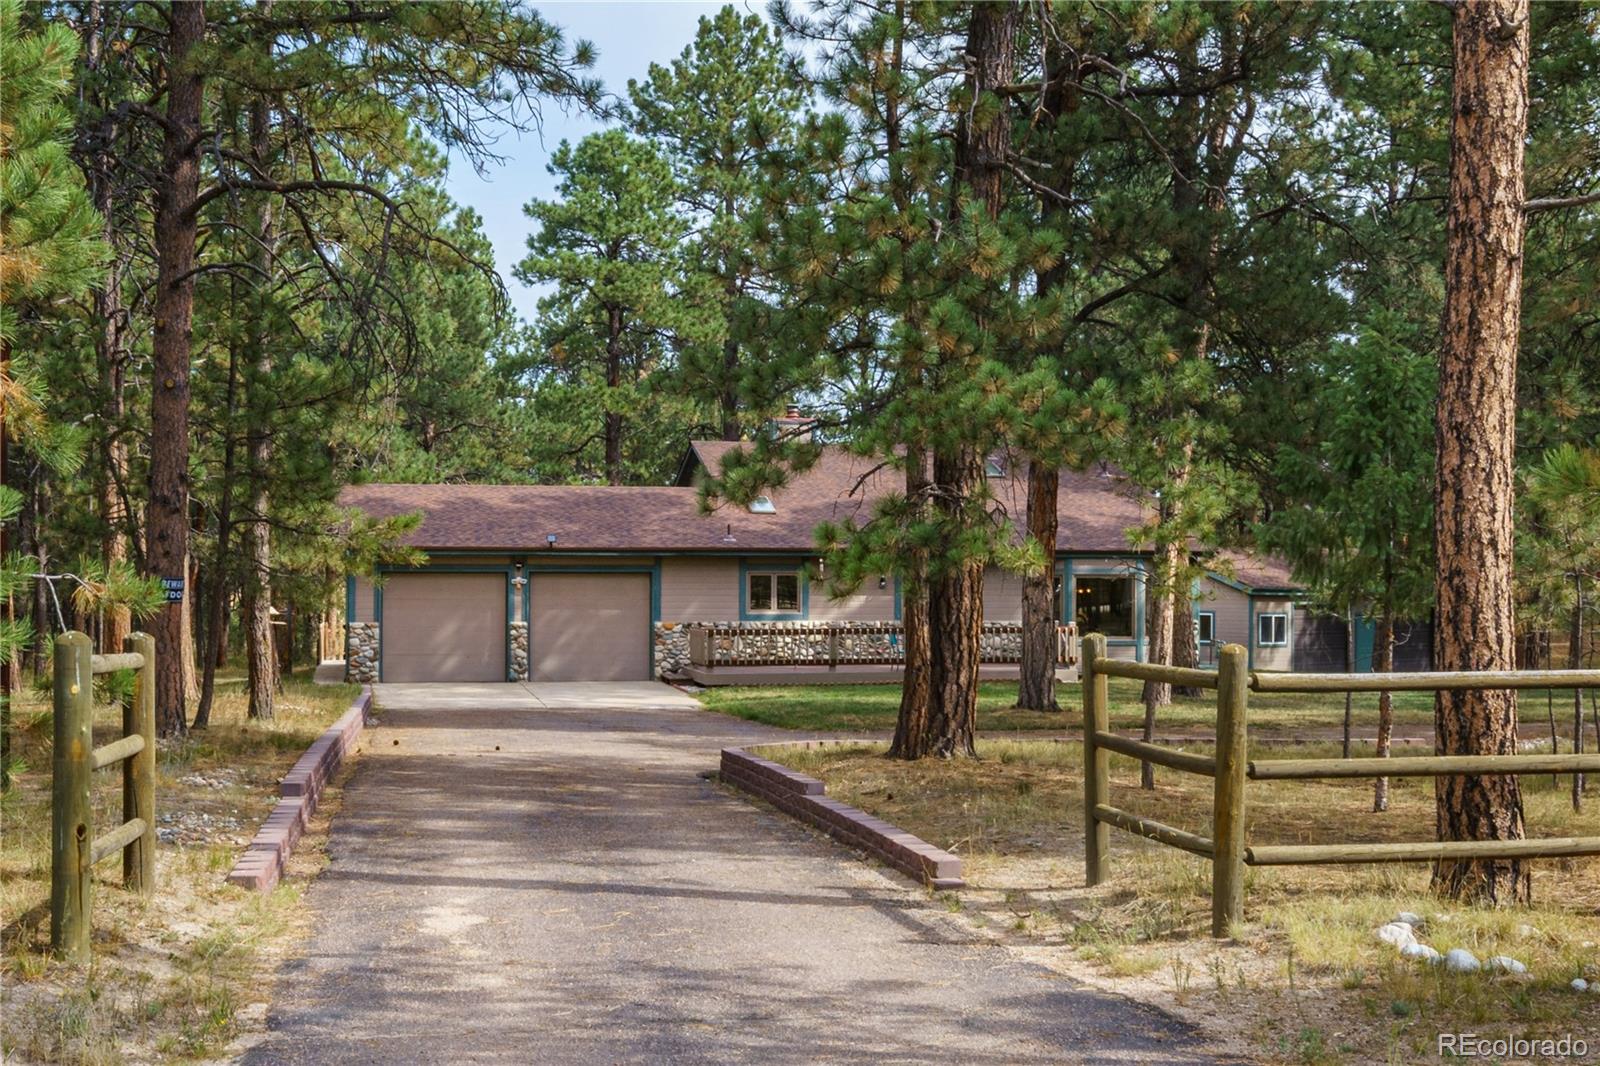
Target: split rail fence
x,y
1231,767
74,849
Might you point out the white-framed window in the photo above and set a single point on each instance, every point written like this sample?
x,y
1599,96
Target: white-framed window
x,y
772,593
1272,630
1205,627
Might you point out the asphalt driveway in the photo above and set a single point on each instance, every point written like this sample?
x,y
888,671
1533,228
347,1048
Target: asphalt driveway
x,y
526,884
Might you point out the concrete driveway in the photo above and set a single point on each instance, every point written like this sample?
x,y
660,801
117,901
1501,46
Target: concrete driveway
x,y
554,885
531,695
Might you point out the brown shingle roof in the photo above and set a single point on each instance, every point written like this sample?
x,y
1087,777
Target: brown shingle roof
x,y
1095,510
1256,572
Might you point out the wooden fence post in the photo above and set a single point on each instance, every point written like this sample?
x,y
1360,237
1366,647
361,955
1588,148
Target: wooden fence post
x,y
1228,810
71,830
139,771
1096,761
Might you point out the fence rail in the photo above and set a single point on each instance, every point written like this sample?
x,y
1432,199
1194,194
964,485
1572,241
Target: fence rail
x,y
836,644
330,641
74,849
1231,769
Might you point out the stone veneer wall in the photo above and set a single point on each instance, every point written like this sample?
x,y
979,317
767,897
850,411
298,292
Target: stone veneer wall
x,y
361,653
671,648
807,642
519,651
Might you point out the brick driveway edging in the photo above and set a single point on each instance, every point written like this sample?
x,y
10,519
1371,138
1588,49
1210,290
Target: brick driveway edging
x,y
261,865
805,798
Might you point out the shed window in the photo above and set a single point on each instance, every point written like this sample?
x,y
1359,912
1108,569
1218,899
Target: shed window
x,y
773,593
1105,605
1205,626
1272,630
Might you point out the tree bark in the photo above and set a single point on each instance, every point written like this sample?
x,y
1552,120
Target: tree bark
x,y
111,339
955,607
216,629
1157,694
1037,690
613,430
1575,662
911,734
1383,663
261,653
1350,668
167,551
1185,645
1475,429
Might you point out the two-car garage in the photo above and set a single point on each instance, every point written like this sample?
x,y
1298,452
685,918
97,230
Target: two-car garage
x,y
589,626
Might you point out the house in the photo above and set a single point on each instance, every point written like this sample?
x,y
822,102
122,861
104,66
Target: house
x,y
558,582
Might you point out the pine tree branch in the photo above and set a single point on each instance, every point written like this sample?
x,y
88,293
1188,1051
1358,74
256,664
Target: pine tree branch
x,y
1556,203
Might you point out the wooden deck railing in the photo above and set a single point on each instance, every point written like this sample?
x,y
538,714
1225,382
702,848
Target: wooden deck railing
x,y
836,644
74,849
330,641
1230,768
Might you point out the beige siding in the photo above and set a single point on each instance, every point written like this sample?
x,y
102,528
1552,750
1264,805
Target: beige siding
x,y
1002,595
1232,610
363,600
700,590
1274,657
868,604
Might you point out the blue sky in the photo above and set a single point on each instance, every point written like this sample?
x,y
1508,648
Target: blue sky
x,y
629,37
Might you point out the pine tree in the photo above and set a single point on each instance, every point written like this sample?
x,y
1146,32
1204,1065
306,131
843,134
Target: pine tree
x,y
719,113
611,244
1476,428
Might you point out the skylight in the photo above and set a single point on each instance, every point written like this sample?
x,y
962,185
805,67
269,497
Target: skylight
x,y
763,505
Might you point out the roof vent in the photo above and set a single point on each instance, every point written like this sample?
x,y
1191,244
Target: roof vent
x,y
763,505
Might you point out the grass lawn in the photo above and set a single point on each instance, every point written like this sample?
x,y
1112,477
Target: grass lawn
x,y
1305,980
172,975
870,708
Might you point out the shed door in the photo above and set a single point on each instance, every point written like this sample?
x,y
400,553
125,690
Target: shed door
x,y
590,627
444,627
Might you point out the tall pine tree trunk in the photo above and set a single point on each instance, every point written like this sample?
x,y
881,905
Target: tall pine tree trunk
x,y
111,341
1475,434
912,739
1575,662
167,550
1037,690
261,655
1383,663
613,429
1185,644
955,607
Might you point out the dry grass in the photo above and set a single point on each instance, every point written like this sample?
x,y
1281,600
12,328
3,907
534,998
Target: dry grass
x,y
177,976
1304,980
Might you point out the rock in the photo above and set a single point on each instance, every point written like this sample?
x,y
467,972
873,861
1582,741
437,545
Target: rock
x,y
1421,951
1505,964
1397,933
1407,918
1580,985
1460,960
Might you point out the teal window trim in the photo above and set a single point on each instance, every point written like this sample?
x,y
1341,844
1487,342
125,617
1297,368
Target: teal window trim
x,y
349,599
746,568
1112,566
1211,615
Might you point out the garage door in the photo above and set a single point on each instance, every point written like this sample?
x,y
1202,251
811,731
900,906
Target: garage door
x,y
590,627
444,627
